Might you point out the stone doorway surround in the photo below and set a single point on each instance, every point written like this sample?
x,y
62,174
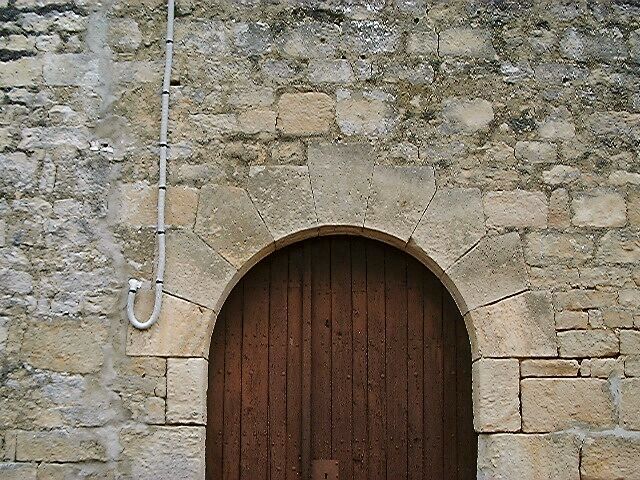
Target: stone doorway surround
x,y
341,190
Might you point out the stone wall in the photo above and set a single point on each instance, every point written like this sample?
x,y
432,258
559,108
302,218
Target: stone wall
x,y
495,137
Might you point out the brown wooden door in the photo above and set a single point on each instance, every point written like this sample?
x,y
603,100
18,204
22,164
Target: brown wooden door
x,y
340,348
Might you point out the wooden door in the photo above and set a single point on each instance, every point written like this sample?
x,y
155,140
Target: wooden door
x,y
342,349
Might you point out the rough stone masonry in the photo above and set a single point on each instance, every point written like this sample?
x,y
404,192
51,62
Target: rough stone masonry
x,y
527,110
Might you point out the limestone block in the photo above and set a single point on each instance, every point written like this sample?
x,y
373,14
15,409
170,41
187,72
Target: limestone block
x,y
528,457
229,222
72,445
423,43
557,127
549,368
340,176
21,73
124,34
397,199
65,345
492,270
536,152
632,366
165,453
552,404
451,225
187,390
518,326
599,208
577,299
305,113
71,471
587,343
330,71
607,457
496,395
18,471
569,320
617,319
466,42
183,330
365,112
465,115
553,248
560,175
619,247
257,121
283,196
630,342
194,271
517,208
135,204
603,367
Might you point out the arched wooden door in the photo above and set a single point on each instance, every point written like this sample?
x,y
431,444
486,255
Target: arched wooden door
x,y
340,353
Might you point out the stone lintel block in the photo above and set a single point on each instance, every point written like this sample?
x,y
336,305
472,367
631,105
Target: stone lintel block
x,y
549,368
183,330
283,196
608,456
496,395
452,223
492,270
397,199
195,271
630,403
340,176
518,326
165,453
529,457
230,223
588,343
187,390
553,404
70,445
18,471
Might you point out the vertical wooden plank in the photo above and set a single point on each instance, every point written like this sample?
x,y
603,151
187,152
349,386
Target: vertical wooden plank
x,y
396,364
433,384
450,445
341,356
215,402
294,364
306,362
415,386
376,395
278,367
359,335
233,321
466,438
255,375
321,350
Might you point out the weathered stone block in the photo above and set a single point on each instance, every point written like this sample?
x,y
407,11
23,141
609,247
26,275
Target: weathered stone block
x,y
549,368
330,71
599,208
528,457
284,199
569,320
397,199
619,247
257,121
451,225
230,223
536,152
518,326
557,404
630,342
496,400
517,208
340,176
305,113
492,270
632,366
21,73
553,248
187,390
183,330
71,471
466,42
18,471
584,299
607,457
423,43
588,343
365,112
464,115
74,445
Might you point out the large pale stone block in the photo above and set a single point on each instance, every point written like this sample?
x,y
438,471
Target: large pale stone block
x,y
283,196
73,445
183,330
466,42
492,270
619,247
19,73
305,113
230,223
599,208
630,403
552,248
558,404
196,272
496,395
365,113
340,176
588,343
187,390
549,368
610,457
398,198
464,115
165,453
518,326
517,208
18,471
451,225
65,345
528,457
